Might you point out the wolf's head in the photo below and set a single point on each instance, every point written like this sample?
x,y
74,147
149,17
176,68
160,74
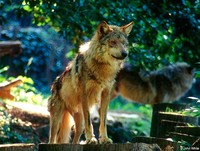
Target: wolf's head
x,y
184,73
113,40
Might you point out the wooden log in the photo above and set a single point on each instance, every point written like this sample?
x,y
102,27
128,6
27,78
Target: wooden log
x,y
162,108
60,147
196,143
167,126
180,136
166,123
179,118
5,89
195,131
163,143
16,147
99,147
10,47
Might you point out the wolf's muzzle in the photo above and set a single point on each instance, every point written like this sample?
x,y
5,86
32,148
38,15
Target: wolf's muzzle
x,y
122,56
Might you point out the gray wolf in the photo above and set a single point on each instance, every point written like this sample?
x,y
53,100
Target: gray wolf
x,y
163,85
87,80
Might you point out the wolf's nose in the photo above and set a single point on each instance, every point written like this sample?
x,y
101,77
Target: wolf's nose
x,y
190,70
124,54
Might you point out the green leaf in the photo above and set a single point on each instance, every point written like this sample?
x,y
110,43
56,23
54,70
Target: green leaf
x,y
4,69
197,74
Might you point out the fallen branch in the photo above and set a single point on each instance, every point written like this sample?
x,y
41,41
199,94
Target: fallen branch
x,y
5,89
10,47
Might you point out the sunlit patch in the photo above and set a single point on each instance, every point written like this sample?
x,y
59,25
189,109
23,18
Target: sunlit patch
x,y
165,37
83,48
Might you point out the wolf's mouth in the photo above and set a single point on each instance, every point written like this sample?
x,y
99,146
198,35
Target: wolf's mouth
x,y
118,58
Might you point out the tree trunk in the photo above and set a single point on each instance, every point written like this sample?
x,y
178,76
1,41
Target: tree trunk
x,y
10,47
15,147
99,147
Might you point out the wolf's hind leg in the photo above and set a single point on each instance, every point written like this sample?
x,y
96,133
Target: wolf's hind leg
x,y
64,131
54,127
56,113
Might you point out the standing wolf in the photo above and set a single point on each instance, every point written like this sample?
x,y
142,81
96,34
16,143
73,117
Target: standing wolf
x,y
164,85
88,80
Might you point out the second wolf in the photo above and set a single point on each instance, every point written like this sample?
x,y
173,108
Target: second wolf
x,y
164,85
88,80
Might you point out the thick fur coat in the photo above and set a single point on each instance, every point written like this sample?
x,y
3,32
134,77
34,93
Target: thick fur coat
x,y
88,80
164,85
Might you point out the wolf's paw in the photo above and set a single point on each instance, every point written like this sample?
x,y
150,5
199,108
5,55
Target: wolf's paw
x,y
105,140
92,140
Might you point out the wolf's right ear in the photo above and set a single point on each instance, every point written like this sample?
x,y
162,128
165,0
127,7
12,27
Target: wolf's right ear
x,y
190,69
103,29
127,28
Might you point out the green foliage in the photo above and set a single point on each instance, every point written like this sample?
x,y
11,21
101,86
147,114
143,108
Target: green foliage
x,y
197,74
184,144
122,104
141,124
3,14
11,127
26,92
7,124
164,31
194,110
35,55
41,58
2,70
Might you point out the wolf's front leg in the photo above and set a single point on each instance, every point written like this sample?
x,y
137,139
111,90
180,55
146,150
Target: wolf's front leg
x,y
105,99
89,134
79,125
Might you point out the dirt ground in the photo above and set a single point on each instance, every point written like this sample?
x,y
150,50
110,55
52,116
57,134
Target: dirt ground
x,y
31,121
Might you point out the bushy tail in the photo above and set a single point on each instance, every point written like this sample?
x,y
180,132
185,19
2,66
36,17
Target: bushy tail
x,y
64,131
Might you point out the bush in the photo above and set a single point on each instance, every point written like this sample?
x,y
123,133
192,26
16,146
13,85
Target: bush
x,y
8,126
164,31
41,57
26,92
13,129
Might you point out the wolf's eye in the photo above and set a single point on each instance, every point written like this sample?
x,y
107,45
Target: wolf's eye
x,y
125,44
113,43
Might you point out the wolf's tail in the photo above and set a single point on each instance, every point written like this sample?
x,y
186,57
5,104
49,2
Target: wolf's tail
x,y
64,131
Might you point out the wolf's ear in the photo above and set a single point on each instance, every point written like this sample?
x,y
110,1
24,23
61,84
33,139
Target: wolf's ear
x,y
103,29
127,28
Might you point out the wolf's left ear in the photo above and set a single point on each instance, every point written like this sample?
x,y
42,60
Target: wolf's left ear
x,y
103,29
127,28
